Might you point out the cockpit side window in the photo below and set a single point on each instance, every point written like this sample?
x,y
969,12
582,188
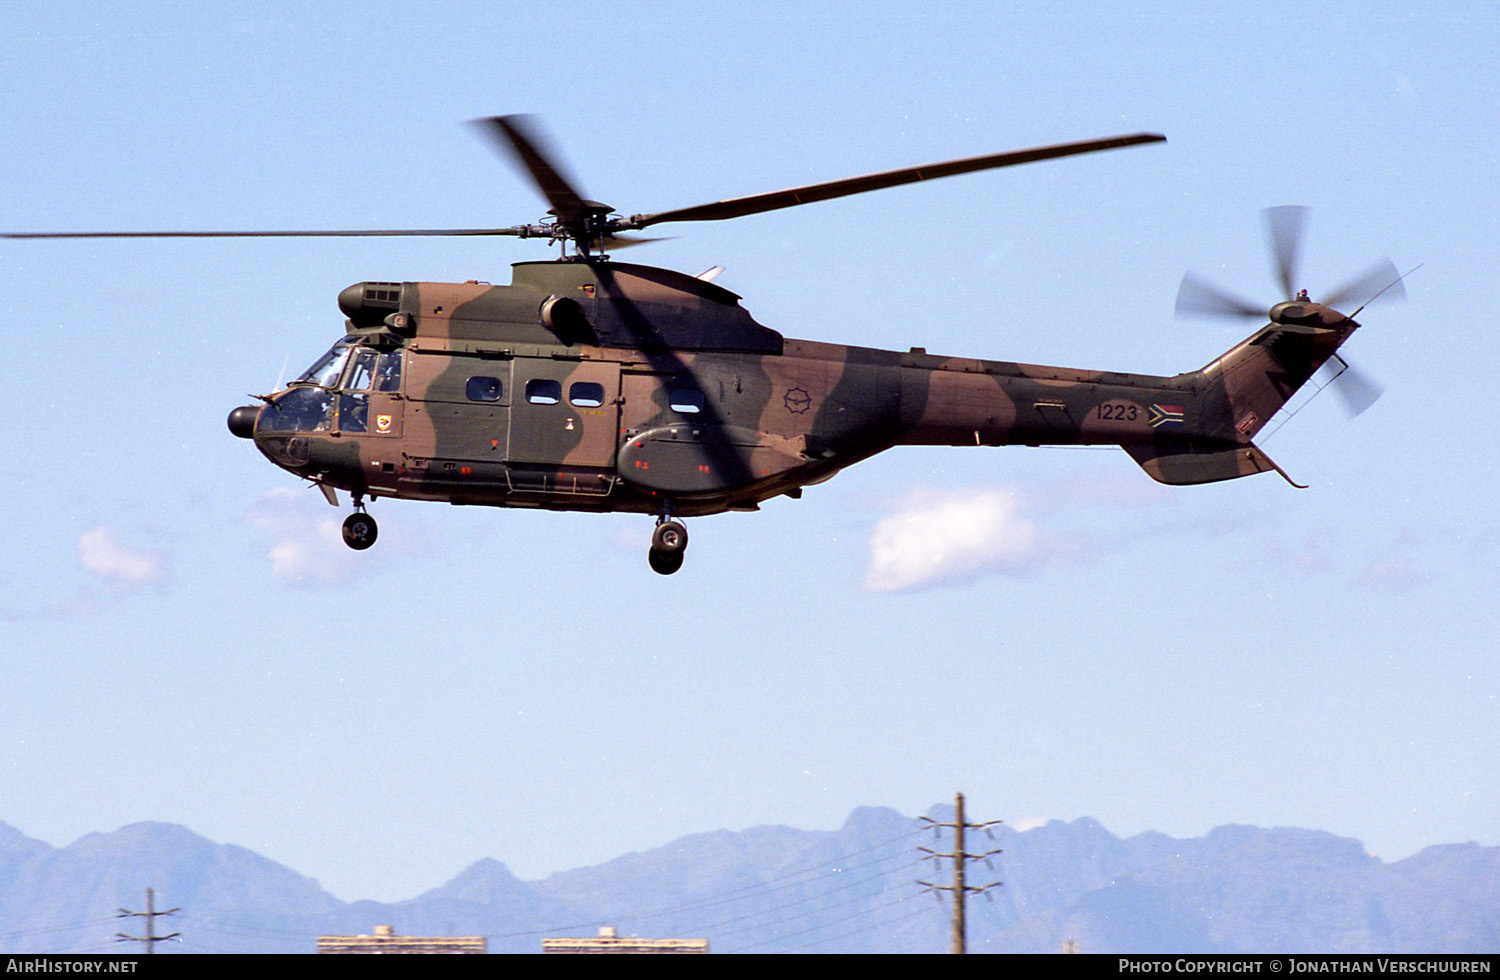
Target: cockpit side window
x,y
388,372
361,370
373,371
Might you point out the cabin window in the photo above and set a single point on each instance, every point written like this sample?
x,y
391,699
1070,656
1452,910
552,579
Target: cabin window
x,y
686,400
586,394
483,389
543,391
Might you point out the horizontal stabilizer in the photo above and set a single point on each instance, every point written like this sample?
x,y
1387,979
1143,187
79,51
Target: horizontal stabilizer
x,y
1167,464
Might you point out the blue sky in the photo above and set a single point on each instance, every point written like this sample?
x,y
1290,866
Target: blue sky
x,y
183,638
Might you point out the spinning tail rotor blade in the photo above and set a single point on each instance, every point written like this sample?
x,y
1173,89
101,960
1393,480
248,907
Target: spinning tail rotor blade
x,y
1198,298
1284,232
1284,227
1356,389
1380,283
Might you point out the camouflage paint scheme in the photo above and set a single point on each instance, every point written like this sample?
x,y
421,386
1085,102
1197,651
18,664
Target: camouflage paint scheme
x,y
599,386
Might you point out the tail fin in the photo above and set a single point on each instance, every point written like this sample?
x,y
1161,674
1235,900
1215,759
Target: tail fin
x,y
1238,393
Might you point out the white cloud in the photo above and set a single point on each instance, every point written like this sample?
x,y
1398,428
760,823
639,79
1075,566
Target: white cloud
x,y
307,545
940,538
103,556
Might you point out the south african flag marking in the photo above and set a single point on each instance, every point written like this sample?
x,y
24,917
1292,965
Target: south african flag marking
x,y
1166,415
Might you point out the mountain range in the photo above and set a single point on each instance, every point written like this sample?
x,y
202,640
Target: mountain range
x,y
858,889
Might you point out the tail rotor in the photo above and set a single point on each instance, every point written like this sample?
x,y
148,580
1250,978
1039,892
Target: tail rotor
x,y
1285,227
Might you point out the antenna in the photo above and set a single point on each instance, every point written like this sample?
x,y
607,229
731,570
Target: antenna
x,y
1392,283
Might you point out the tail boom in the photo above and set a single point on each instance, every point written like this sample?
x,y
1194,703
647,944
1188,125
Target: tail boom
x,y
1190,428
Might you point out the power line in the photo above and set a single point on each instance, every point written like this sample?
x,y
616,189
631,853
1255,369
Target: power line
x,y
783,909
841,872
73,927
843,875
909,914
870,911
745,891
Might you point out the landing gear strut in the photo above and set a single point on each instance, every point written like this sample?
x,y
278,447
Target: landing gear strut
x,y
360,529
668,545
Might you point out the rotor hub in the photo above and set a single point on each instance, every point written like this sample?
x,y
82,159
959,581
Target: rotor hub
x,y
1300,312
591,209
1293,311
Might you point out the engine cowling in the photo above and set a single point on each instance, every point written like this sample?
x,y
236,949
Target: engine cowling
x,y
370,305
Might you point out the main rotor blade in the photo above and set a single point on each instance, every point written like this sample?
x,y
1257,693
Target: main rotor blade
x,y
1198,298
522,231
1380,283
1284,229
792,197
523,138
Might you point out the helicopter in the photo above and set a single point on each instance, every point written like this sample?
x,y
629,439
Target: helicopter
x,y
588,384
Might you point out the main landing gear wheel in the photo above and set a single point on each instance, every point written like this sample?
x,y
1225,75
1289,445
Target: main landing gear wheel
x,y
360,531
668,547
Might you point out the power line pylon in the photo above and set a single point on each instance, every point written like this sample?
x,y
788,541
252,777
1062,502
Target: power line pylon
x,y
960,858
149,940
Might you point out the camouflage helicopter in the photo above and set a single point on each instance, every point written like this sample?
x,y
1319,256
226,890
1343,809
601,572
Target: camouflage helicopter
x,y
593,385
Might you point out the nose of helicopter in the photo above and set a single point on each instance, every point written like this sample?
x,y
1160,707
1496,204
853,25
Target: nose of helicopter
x,y
242,421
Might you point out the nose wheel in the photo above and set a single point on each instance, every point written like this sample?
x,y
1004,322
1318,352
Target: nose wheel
x,y
668,545
360,528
